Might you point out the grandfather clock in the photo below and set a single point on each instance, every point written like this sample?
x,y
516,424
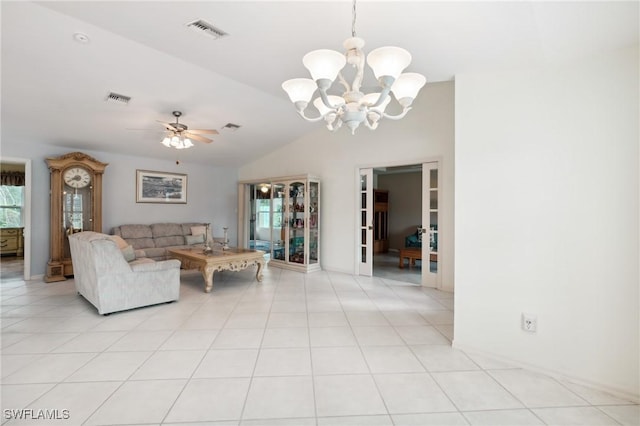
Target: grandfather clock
x,y
76,206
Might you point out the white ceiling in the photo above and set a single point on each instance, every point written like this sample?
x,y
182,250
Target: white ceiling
x,y
54,88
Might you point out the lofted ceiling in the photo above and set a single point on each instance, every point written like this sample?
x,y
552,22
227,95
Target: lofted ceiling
x,y
54,88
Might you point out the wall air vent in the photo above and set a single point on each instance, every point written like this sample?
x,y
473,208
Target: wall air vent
x,y
118,99
231,127
203,27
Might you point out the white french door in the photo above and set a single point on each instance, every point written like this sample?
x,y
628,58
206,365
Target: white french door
x,y
365,222
431,263
431,276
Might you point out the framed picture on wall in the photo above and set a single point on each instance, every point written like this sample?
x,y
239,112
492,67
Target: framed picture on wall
x,y
160,187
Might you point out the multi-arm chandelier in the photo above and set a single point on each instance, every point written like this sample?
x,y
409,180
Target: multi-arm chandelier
x,y
354,107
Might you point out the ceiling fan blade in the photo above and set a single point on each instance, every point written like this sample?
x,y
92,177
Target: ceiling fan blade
x,y
203,131
196,137
168,126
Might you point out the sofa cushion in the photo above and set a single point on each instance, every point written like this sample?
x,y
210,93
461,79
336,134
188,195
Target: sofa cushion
x,y
156,252
141,243
186,227
194,239
177,240
141,261
119,241
198,230
135,231
128,253
166,230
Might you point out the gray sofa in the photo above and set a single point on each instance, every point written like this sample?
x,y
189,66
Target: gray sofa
x,y
111,284
152,241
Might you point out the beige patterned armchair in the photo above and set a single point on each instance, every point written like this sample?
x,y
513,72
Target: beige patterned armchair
x,y
111,284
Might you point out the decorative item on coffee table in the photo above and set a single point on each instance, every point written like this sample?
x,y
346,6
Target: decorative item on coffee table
x,y
225,242
207,242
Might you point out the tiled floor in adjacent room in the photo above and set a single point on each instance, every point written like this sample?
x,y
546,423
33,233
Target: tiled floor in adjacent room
x,y
316,349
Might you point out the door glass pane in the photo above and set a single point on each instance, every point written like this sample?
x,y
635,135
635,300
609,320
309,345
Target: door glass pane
x,y
365,219
433,220
433,178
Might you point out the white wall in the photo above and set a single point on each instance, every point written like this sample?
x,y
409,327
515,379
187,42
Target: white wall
x,y
211,194
547,217
426,132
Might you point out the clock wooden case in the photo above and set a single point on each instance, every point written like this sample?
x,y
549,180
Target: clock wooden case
x,y
76,206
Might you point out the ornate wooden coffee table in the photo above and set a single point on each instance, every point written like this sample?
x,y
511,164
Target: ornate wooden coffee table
x,y
232,259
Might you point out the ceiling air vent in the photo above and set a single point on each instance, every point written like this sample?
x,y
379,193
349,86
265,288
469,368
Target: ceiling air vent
x,y
118,99
203,27
231,127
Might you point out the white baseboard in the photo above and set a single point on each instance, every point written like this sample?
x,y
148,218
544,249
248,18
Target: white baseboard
x,y
39,277
618,393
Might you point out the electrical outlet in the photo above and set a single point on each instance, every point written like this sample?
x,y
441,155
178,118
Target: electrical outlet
x,y
529,322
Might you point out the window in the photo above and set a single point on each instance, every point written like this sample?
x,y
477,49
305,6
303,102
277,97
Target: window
x,y
263,213
11,206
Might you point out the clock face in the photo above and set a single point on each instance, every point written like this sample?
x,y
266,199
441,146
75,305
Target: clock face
x,y
77,177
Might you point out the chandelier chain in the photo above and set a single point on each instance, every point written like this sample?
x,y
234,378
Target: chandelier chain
x,y
353,19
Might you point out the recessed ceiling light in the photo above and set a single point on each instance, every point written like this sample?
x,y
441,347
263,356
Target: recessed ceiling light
x,y
81,38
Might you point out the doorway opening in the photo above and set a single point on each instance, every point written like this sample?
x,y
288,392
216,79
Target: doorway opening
x,y
15,219
398,217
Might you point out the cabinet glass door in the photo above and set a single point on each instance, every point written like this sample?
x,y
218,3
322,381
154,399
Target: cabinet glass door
x,y
278,221
296,222
313,208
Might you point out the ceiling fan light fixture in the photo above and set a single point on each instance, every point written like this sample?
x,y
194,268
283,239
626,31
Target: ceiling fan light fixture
x,y
179,136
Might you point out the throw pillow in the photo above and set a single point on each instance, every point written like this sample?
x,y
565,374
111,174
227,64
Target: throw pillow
x,y
194,239
128,253
198,230
119,241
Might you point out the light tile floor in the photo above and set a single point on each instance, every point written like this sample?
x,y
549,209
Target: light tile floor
x,y
316,349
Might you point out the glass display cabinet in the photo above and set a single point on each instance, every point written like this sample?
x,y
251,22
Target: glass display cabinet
x,y
282,217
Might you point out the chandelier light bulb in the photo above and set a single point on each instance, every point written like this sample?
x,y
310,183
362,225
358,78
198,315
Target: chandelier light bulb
x,y
371,99
299,89
324,64
166,142
336,101
388,61
407,86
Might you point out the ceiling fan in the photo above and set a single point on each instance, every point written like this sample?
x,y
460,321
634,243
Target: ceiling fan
x,y
182,132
